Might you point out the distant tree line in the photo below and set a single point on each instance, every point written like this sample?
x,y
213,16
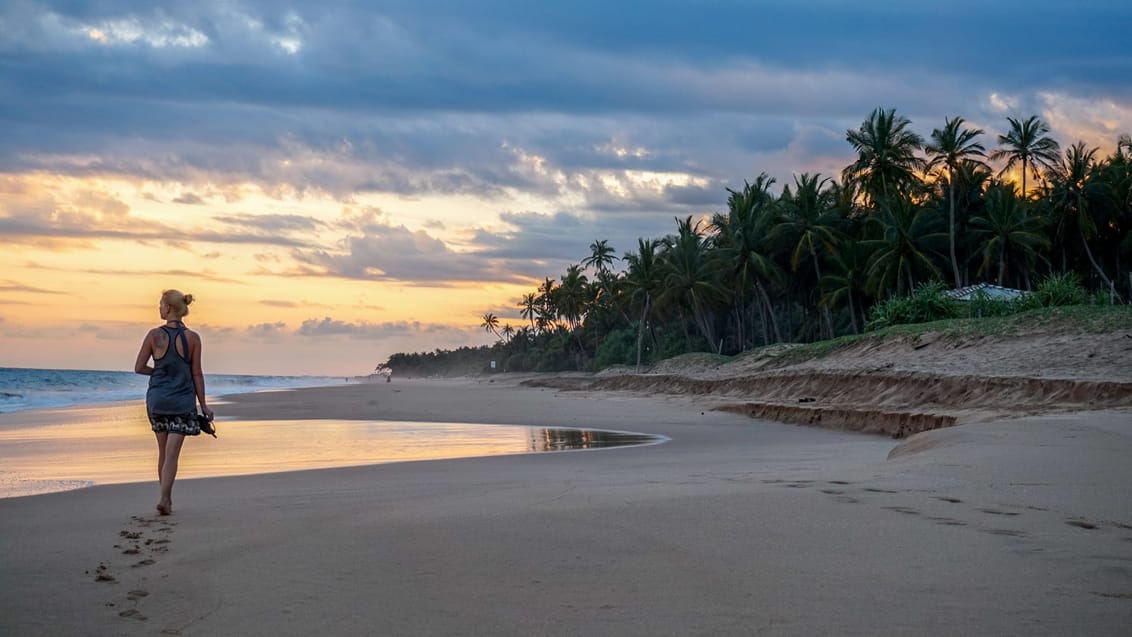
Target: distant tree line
x,y
812,261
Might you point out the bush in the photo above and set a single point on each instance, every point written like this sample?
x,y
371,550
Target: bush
x,y
1059,290
618,348
981,304
927,303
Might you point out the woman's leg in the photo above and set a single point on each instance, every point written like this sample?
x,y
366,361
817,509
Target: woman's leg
x,y
161,438
172,450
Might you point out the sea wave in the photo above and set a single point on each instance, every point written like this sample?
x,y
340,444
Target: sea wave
x,y
22,389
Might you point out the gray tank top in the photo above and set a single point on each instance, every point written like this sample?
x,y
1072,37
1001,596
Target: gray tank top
x,y
171,388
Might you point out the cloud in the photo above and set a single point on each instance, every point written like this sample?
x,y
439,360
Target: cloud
x,y
329,327
395,253
266,330
13,286
189,198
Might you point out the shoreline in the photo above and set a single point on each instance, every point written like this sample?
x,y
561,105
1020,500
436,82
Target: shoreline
x,y
736,526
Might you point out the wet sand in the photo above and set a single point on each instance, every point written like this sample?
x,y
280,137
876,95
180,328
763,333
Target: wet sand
x,y
733,527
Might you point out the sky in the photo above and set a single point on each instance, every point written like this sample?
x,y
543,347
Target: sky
x,y
338,181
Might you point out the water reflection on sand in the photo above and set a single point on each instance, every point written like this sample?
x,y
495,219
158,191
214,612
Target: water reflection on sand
x,y
68,449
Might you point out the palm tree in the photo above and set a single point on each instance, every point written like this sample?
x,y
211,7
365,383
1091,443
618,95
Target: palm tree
x,y
529,307
573,296
951,146
508,332
643,281
546,313
490,323
1027,143
741,236
847,280
601,256
808,225
902,249
1074,190
886,162
1009,233
691,277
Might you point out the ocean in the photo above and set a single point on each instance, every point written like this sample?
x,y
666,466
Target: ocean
x,y
22,389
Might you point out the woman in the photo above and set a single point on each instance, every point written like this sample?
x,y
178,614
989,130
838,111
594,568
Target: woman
x,y
176,384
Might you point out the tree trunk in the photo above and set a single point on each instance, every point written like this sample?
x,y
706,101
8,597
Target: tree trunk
x,y
823,310
954,260
770,312
852,313
641,330
1097,268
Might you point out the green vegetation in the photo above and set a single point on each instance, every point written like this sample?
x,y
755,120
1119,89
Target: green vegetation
x,y
826,258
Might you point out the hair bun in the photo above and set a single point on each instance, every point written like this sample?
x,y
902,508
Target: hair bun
x,y
188,299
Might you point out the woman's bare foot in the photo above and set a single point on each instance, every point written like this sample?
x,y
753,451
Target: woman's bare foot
x,y
165,508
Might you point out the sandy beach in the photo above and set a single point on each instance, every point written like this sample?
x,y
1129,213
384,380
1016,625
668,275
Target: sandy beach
x,y
733,527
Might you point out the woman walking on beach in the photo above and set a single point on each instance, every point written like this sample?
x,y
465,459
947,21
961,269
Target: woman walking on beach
x,y
176,385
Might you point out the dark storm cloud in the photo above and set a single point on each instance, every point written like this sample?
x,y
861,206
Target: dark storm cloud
x,y
246,75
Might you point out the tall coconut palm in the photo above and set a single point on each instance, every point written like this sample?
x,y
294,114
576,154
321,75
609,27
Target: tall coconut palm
x,y
903,249
951,146
808,227
528,307
1008,232
572,296
601,256
1028,143
847,280
691,278
741,236
546,313
600,259
1075,189
643,282
886,163
490,324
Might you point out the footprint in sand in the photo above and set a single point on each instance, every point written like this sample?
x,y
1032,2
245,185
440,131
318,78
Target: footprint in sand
x,y
137,594
145,562
904,510
1081,523
102,574
949,499
947,521
133,613
1009,532
997,512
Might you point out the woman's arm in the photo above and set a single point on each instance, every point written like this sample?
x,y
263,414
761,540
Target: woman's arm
x,y
198,375
141,363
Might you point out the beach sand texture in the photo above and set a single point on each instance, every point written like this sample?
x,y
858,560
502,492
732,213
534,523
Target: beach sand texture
x,y
734,527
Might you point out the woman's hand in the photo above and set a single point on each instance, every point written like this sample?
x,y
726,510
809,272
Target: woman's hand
x,y
207,412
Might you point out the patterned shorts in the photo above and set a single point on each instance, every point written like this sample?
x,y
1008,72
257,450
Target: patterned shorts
x,y
184,424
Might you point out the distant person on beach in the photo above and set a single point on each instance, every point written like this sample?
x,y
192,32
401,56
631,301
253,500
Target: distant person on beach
x,y
176,385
